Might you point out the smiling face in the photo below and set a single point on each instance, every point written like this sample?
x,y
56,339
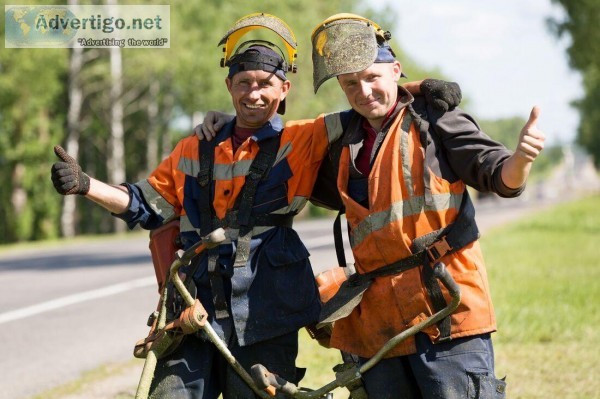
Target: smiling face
x,y
256,96
373,91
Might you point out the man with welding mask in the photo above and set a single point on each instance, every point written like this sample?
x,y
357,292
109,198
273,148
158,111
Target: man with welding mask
x,y
402,174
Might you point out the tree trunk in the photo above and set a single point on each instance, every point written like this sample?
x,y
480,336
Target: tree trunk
x,y
116,155
69,210
19,195
166,114
153,126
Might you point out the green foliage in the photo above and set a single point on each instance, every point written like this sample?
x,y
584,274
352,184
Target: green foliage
x,y
581,26
31,120
182,81
34,104
590,116
506,131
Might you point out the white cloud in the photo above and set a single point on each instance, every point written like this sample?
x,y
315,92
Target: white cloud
x,y
501,53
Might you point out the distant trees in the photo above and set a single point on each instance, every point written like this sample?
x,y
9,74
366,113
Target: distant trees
x,y
507,130
97,110
32,118
581,25
119,121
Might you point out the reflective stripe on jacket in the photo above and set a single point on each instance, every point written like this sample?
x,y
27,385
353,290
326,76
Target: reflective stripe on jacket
x,y
172,186
398,213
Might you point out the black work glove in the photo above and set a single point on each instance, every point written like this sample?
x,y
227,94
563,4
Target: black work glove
x,y
67,176
440,94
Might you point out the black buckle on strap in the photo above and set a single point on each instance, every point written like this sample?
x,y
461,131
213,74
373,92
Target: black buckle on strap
x,y
203,178
438,249
258,169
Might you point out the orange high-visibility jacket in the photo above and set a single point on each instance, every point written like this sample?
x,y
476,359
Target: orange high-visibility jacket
x,y
274,293
303,145
397,213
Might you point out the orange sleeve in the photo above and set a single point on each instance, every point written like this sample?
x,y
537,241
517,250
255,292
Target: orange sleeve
x,y
309,145
168,179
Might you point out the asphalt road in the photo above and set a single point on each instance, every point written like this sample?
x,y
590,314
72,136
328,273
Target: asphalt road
x,y
71,307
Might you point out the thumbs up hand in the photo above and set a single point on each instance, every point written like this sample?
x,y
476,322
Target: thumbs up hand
x,y
516,168
531,139
67,176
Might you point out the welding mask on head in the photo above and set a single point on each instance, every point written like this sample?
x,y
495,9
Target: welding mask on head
x,y
260,54
347,43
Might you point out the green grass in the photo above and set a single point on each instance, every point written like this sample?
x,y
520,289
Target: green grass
x,y
92,383
545,283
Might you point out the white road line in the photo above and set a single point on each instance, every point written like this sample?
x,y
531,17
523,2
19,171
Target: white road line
x,y
76,298
112,290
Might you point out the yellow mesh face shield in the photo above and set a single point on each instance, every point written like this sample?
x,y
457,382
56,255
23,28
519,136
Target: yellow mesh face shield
x,y
260,21
343,43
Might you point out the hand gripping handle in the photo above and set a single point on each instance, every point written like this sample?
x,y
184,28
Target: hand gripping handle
x,y
271,383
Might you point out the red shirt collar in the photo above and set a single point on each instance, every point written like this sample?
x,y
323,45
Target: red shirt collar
x,y
241,134
391,113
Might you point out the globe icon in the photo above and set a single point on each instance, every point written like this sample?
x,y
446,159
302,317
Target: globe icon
x,y
38,26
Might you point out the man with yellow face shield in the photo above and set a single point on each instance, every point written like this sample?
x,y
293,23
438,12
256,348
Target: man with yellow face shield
x,y
257,286
402,174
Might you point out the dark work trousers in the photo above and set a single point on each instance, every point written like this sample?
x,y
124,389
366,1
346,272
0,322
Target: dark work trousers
x,y
197,370
459,369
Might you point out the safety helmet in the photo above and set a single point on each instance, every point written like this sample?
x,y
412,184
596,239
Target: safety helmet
x,y
260,54
347,43
260,21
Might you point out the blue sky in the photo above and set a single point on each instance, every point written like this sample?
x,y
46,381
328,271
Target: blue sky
x,y
500,52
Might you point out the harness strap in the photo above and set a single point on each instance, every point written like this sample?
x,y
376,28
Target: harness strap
x,y
259,168
466,231
271,219
431,283
338,240
240,218
206,157
216,284
426,161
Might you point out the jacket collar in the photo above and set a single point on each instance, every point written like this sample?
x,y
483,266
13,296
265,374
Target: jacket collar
x,y
270,129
